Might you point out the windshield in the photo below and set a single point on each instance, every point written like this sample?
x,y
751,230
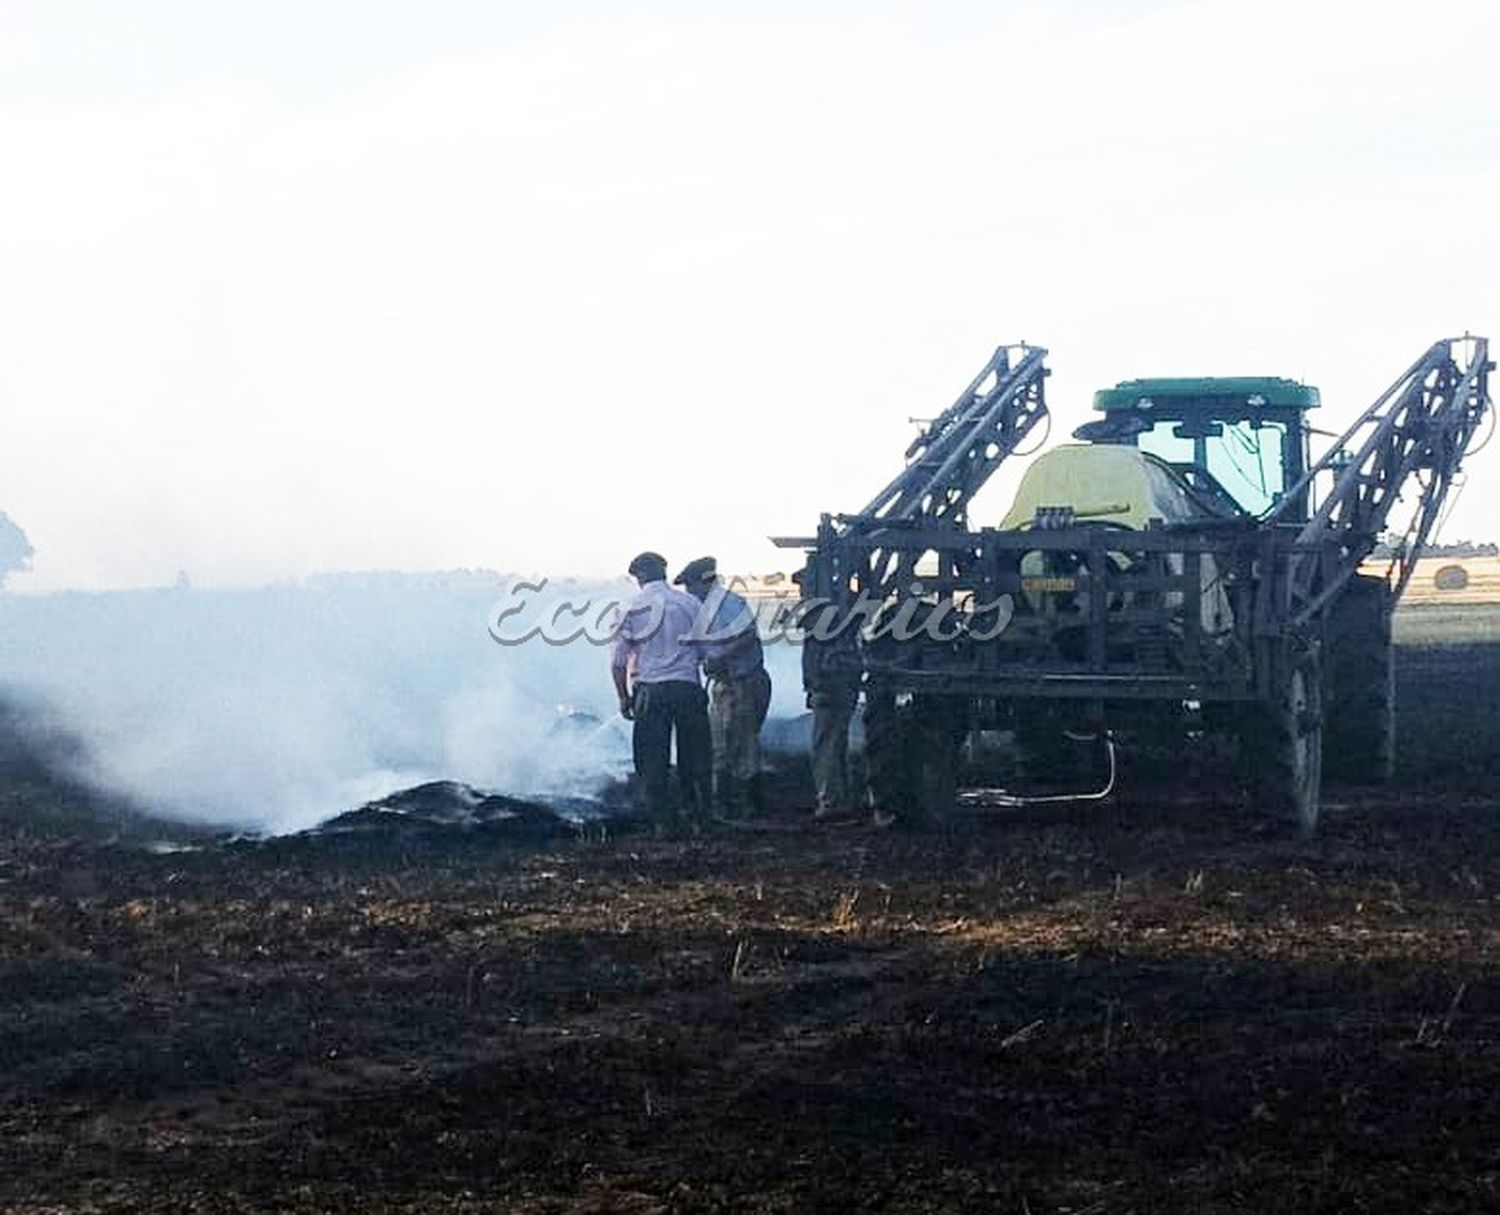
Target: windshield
x,y
1246,459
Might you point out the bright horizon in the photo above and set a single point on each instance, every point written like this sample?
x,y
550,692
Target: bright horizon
x,y
310,288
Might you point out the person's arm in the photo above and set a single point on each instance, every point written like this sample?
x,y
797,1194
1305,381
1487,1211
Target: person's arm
x,y
621,672
620,650
727,651
731,615
810,657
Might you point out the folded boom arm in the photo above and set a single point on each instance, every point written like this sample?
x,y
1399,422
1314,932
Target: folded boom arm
x,y
1413,437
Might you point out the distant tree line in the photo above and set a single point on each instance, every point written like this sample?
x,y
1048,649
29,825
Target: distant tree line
x,y
1461,548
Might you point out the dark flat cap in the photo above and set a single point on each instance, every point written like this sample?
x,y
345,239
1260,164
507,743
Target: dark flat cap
x,y
648,563
697,571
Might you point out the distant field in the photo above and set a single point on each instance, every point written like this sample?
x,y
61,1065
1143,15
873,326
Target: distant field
x,y
1482,573
1423,623
1483,581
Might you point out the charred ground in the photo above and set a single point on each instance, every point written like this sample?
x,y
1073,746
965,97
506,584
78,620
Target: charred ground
x,y
1150,1006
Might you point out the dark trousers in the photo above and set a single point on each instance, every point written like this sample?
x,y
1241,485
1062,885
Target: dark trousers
x,y
832,711
663,711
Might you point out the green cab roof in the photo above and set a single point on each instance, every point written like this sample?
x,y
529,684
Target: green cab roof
x,y
1208,392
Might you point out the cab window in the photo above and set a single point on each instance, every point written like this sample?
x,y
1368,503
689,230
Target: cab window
x,y
1244,457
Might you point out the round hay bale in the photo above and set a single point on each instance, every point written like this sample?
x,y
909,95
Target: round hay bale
x,y
1451,578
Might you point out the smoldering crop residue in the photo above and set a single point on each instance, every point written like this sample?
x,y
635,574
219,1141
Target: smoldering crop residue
x,y
274,708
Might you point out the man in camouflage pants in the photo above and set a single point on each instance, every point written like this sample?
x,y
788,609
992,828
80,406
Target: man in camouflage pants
x,y
739,688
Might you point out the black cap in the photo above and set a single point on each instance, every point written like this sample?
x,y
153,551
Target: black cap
x,y
697,571
648,564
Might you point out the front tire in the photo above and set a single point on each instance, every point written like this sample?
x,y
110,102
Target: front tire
x,y
887,771
912,754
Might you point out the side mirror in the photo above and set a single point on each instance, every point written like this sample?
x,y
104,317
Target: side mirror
x,y
1112,430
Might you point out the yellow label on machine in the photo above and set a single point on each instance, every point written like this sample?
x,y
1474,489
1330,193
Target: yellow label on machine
x,y
1049,584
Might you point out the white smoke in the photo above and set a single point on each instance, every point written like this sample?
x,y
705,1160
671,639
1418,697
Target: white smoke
x,y
15,549
277,707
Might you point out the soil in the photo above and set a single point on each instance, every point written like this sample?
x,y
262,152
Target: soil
x,y
1158,1004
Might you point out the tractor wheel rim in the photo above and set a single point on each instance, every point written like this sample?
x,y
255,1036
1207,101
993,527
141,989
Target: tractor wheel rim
x,y
1301,744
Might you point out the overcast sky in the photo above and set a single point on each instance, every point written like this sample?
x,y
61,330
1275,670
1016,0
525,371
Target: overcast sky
x,y
290,287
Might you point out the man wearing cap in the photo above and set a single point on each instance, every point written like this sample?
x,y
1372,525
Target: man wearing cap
x,y
739,688
832,697
832,700
656,677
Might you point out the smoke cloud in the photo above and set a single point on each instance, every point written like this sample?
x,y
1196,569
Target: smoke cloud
x,y
15,549
274,708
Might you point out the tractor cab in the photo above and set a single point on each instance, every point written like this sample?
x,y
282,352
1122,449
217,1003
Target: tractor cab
x,y
1240,443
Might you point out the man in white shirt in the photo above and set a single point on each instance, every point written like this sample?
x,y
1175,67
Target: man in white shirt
x,y
656,678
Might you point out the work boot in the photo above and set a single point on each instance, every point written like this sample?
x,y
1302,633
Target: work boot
x,y
755,795
729,800
832,813
724,791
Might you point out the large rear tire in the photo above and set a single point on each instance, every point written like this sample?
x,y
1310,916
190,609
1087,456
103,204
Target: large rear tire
x,y
1283,747
1360,683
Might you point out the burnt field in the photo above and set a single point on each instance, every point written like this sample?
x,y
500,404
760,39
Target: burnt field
x,y
1152,1006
